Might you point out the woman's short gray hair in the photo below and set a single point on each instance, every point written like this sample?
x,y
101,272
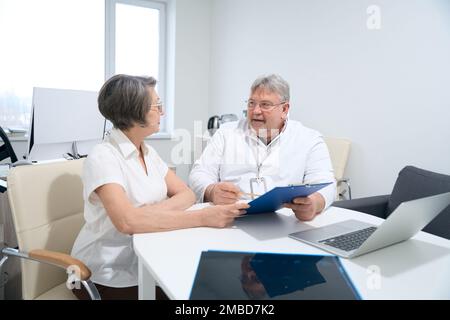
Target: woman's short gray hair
x,y
125,100
273,83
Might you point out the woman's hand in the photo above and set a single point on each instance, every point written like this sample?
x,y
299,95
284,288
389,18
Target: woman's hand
x,y
222,216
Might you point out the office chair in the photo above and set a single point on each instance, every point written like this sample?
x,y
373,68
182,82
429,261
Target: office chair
x,y
339,149
6,150
412,183
47,210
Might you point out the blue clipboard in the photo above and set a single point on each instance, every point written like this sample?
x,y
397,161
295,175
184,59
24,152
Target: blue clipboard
x,y
274,199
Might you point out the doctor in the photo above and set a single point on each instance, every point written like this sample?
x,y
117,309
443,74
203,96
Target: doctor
x,y
263,151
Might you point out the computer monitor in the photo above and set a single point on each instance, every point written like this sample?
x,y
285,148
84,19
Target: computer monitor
x,y
63,122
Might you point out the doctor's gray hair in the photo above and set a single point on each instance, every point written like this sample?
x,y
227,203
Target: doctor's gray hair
x,y
272,83
125,101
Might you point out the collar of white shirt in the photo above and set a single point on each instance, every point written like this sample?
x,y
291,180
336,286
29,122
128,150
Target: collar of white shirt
x,y
250,132
125,146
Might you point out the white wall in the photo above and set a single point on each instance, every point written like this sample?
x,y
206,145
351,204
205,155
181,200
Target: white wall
x,y
387,90
191,73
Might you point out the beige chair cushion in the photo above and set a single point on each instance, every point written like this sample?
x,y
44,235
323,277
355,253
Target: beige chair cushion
x,y
58,293
56,236
47,208
339,149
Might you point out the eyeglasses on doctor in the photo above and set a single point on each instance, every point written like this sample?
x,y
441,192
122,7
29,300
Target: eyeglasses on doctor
x,y
263,105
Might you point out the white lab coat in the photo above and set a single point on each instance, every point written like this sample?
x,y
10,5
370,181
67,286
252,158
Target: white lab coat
x,y
297,155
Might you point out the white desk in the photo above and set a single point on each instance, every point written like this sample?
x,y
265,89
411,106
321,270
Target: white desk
x,y
415,269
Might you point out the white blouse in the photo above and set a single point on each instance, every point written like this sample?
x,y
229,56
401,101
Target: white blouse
x,y
108,253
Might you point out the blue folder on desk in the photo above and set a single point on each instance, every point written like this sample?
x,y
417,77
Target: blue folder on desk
x,y
275,198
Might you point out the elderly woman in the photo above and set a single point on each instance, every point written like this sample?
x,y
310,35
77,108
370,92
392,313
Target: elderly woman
x,y
128,189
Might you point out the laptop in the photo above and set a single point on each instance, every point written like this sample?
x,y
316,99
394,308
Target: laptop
x,y
352,238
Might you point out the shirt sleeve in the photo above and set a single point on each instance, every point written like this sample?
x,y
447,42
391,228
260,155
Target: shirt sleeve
x,y
205,170
319,170
101,167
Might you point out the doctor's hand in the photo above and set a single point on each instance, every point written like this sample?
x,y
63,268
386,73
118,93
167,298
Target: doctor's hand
x,y
222,193
307,208
222,216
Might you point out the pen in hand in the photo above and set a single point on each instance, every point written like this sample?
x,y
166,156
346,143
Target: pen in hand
x,y
247,194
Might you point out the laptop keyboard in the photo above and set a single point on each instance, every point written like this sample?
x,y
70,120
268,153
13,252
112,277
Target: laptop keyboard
x,y
349,241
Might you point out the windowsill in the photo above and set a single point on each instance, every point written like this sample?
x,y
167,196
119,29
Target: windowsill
x,y
156,136
16,137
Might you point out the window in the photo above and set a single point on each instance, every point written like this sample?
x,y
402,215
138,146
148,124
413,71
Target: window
x,y
136,41
71,44
45,45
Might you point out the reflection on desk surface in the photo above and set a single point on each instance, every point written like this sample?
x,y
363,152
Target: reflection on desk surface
x,y
256,276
